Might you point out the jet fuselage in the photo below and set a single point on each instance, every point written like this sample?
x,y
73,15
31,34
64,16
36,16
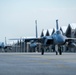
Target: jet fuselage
x,y
58,38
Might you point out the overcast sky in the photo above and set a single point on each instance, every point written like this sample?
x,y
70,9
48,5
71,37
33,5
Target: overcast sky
x,y
17,17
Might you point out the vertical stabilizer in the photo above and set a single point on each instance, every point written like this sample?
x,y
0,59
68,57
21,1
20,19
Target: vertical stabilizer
x,y
5,41
57,25
36,29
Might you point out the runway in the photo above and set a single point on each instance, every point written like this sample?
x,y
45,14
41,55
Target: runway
x,y
37,64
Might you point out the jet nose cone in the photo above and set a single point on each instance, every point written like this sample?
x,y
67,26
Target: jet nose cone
x,y
62,41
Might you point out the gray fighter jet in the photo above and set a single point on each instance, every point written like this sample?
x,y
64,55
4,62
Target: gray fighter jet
x,y
57,39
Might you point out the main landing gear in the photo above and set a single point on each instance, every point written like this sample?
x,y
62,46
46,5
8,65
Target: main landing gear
x,y
58,49
42,51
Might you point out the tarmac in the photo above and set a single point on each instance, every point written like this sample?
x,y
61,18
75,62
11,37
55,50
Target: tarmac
x,y
37,64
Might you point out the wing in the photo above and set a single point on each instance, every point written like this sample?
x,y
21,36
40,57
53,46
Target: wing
x,y
45,40
70,39
34,39
28,39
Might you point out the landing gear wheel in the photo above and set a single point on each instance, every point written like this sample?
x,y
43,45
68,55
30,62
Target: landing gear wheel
x,y
56,49
56,53
60,52
42,51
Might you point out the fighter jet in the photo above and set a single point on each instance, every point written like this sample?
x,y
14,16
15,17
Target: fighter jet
x,y
4,46
57,39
